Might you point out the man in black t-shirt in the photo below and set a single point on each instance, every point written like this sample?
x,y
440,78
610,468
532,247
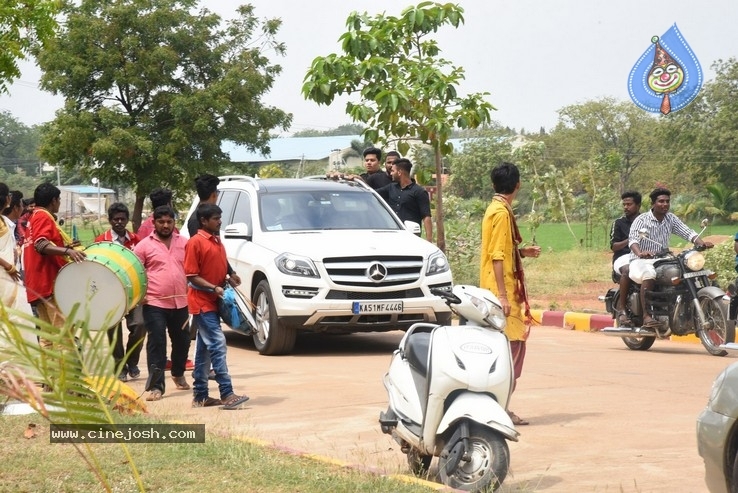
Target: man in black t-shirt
x,y
409,200
374,176
621,251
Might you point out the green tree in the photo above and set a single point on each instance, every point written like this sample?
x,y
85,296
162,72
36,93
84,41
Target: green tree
x,y
470,169
723,200
703,137
617,134
152,89
406,90
18,146
22,26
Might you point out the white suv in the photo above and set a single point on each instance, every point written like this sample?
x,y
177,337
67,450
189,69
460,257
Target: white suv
x,y
326,256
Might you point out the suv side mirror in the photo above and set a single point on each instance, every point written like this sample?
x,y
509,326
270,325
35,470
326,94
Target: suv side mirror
x,y
413,227
237,231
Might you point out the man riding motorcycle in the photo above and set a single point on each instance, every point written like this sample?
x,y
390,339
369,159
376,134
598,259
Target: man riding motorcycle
x,y
619,237
659,224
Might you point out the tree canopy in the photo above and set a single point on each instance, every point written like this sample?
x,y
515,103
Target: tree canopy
x,y
406,90
152,88
23,25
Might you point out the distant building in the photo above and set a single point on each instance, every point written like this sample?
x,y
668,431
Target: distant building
x,y
80,199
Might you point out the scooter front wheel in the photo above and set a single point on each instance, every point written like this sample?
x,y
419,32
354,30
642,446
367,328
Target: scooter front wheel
x,y
489,460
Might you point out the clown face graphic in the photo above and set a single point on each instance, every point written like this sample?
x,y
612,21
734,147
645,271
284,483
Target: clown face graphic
x,y
665,78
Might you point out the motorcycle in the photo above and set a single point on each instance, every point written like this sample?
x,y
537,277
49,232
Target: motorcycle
x,y
684,300
448,390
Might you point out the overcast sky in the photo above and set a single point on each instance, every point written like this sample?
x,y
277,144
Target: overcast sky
x,y
533,56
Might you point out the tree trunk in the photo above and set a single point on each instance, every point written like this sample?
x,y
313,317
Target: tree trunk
x,y
440,232
137,211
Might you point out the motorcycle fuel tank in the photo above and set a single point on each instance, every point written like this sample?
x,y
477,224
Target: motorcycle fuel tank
x,y
665,273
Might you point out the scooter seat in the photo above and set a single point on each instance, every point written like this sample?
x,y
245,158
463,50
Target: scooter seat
x,y
416,351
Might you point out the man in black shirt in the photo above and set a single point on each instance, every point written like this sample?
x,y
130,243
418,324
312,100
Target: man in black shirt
x,y
408,199
375,177
621,251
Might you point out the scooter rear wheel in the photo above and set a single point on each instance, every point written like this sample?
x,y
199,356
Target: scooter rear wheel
x,y
488,464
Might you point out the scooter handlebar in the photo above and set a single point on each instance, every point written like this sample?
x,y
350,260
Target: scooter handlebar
x,y
449,297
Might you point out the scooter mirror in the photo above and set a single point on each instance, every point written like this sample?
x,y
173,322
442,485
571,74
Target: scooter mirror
x,y
704,222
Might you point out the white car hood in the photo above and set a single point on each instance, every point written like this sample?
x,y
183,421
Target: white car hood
x,y
340,243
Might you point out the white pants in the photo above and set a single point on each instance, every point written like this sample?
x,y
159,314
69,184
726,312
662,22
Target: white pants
x,y
620,262
642,269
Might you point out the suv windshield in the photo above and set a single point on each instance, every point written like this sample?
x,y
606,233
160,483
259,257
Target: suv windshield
x,y
314,210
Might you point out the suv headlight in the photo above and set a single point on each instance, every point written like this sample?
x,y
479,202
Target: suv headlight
x,y
295,265
437,264
694,261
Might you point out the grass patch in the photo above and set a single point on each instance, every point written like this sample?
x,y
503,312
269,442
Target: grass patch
x,y
220,464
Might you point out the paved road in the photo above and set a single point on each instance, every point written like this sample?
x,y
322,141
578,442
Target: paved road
x,y
603,418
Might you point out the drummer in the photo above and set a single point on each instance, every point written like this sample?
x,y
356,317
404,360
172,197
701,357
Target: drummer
x,y
48,249
118,216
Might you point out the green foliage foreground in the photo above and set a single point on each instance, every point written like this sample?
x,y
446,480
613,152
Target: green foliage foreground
x,y
219,464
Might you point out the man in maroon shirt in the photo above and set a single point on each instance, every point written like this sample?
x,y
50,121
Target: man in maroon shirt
x,y
118,216
206,268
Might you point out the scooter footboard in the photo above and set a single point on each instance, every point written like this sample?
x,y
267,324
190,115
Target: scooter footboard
x,y
481,408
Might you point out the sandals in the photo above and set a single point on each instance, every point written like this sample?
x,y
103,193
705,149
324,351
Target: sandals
x,y
181,383
234,401
623,319
517,420
154,395
651,323
207,402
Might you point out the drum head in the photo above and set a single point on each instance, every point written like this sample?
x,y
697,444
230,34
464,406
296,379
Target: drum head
x,y
95,291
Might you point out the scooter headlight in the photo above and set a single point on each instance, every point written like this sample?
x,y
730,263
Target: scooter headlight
x,y
694,261
497,316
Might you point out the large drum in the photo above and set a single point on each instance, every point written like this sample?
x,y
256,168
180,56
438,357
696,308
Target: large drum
x,y
103,288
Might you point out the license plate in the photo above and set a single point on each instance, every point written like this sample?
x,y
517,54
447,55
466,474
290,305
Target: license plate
x,y
360,307
689,275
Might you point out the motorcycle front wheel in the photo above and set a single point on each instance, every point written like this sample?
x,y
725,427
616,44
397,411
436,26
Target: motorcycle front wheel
x,y
718,330
489,460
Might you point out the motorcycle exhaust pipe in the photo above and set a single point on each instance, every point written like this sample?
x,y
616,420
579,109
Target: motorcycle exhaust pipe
x,y
628,332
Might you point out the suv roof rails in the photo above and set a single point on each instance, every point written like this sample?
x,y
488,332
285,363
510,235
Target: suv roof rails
x,y
251,179
359,183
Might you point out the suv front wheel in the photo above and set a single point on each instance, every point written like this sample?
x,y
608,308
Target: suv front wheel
x,y
271,337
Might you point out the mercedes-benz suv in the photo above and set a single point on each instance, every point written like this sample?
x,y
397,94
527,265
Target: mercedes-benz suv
x,y
326,256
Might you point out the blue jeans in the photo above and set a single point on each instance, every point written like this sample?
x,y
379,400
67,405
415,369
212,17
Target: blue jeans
x,y
159,321
210,348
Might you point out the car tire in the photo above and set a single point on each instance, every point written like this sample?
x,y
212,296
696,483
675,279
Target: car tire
x,y
272,337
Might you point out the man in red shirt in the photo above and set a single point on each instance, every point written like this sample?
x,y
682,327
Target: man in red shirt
x,y
127,360
165,306
206,267
48,249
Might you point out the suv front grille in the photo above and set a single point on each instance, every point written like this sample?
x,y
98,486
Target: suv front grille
x,y
380,271
384,295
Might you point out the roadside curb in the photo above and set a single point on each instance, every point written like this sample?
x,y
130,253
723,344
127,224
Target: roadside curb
x,y
587,322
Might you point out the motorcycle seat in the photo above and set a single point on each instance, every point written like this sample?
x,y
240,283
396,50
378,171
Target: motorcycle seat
x,y
416,351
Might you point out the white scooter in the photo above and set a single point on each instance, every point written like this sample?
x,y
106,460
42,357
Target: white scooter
x,y
448,389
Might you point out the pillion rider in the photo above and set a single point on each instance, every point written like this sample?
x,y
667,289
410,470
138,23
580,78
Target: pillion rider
x,y
660,224
619,238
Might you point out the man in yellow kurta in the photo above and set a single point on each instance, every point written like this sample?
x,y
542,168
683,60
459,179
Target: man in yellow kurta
x,y
501,268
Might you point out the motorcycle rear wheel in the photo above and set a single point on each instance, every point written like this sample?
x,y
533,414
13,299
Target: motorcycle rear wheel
x,y
719,330
488,464
639,343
